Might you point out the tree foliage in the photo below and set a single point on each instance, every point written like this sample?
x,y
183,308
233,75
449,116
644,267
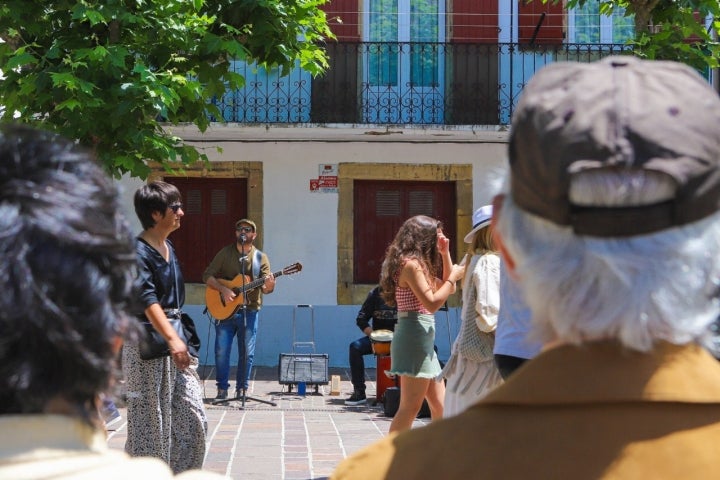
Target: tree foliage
x,y
113,74
670,29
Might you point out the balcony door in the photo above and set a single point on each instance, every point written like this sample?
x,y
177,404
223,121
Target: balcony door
x,y
404,61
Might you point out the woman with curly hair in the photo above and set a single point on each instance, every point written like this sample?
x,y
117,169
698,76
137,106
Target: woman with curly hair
x,y
418,276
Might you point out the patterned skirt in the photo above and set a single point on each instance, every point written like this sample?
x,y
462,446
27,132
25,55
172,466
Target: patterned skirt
x,y
165,412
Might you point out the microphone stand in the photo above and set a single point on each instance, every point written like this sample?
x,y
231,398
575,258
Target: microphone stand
x,y
244,371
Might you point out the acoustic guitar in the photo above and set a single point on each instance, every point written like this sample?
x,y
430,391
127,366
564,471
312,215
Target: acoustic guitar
x,y
240,285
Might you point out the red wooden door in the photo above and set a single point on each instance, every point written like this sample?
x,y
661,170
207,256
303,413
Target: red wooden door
x,y
380,209
212,206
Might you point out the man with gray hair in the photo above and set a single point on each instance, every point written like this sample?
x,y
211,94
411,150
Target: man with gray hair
x,y
609,223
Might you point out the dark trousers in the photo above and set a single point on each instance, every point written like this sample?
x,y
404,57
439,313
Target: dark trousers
x,y
507,364
358,349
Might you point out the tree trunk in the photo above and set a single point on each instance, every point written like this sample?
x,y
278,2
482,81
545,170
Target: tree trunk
x,y
643,15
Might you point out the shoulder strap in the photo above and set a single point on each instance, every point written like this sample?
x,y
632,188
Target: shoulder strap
x,y
256,262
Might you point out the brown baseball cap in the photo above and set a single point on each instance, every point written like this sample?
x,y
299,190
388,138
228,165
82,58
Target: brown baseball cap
x,y
618,113
247,221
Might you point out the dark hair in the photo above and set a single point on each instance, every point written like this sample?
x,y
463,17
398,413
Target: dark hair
x,y
154,197
66,276
416,239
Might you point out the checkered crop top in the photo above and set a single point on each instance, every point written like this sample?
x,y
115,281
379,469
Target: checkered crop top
x,y
406,300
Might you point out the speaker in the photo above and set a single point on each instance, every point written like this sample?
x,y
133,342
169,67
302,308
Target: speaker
x,y
391,403
310,368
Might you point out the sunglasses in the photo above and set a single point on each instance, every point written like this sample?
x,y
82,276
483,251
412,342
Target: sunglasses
x,y
244,229
175,207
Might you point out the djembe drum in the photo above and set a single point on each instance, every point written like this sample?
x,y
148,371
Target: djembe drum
x,y
381,341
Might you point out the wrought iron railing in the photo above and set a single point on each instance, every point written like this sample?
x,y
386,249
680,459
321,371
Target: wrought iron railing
x,y
402,84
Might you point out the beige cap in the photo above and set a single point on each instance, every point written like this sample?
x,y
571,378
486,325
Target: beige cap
x,y
249,222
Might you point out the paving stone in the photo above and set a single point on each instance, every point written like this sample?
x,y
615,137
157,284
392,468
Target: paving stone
x,y
298,438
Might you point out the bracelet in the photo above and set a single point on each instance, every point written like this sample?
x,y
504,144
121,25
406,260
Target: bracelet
x,y
451,282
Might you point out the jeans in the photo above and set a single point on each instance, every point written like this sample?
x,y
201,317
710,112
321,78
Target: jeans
x,y
358,349
225,330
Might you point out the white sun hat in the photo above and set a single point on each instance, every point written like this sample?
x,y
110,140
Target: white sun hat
x,y
481,218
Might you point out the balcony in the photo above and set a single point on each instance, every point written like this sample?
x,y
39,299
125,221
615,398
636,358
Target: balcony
x,y
433,84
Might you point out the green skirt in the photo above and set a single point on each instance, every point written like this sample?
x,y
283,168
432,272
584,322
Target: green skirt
x,y
412,350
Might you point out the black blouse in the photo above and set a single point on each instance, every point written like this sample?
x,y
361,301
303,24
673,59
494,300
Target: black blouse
x,y
159,281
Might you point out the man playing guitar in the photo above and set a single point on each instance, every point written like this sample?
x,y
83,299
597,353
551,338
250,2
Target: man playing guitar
x,y
244,261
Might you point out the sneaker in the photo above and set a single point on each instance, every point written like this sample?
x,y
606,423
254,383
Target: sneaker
x,y
357,398
221,396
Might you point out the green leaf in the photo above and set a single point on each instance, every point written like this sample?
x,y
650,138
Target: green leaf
x,y
94,16
108,73
67,80
69,104
19,60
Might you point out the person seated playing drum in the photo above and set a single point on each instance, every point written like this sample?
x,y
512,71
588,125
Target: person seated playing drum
x,y
375,311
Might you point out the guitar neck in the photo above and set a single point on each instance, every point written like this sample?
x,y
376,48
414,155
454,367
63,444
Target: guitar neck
x,y
255,283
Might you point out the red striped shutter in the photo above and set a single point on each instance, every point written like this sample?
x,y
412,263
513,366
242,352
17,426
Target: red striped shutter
x,y
474,21
541,23
343,17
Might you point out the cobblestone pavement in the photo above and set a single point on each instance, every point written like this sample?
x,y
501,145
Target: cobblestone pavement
x,y
300,437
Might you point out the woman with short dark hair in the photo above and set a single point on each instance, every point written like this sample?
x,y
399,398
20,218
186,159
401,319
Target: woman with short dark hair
x,y
166,416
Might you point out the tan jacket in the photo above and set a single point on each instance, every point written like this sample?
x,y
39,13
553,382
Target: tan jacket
x,y
587,412
59,447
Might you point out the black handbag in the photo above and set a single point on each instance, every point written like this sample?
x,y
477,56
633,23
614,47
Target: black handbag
x,y
154,344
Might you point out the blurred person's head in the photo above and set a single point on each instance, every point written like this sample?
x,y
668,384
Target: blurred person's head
x,y
609,217
67,272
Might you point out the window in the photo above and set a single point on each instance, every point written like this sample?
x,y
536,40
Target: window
x,y
587,25
545,23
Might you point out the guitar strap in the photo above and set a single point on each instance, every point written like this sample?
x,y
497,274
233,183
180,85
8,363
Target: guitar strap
x,y
256,262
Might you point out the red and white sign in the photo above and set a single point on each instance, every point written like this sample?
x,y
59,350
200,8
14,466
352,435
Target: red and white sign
x,y
327,170
327,181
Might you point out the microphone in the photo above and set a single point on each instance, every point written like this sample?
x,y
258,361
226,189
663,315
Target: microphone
x,y
243,238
